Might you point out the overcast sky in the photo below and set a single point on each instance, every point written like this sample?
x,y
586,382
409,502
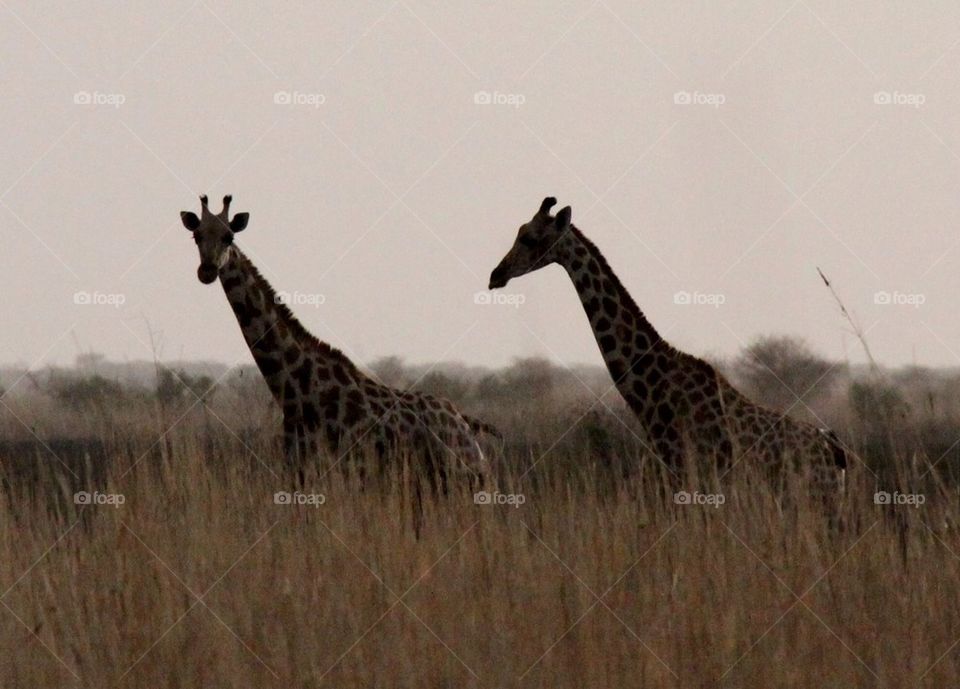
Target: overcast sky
x,y
720,149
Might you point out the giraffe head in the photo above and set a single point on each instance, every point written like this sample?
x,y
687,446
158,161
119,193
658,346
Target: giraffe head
x,y
535,245
213,234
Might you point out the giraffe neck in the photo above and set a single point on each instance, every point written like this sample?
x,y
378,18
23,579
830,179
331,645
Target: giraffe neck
x,y
627,340
281,346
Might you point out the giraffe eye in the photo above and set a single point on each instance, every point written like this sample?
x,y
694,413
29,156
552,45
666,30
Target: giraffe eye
x,y
228,239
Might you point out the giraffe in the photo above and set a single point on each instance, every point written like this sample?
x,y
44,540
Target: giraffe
x,y
684,404
328,403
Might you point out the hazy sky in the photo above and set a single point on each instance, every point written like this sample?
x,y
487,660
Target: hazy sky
x,y
721,149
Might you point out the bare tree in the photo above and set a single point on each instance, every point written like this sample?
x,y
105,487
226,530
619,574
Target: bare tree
x,y
778,370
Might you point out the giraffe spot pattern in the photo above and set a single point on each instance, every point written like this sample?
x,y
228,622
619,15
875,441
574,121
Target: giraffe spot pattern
x,y
675,394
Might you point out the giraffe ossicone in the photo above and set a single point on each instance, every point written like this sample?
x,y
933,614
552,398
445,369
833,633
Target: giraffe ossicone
x,y
328,403
684,404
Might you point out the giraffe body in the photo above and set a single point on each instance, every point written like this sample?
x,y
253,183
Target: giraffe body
x,y
329,405
684,404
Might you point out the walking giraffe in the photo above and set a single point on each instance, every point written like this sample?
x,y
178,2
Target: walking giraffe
x,y
326,400
684,404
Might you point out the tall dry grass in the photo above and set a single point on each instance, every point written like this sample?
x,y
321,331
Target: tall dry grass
x,y
598,579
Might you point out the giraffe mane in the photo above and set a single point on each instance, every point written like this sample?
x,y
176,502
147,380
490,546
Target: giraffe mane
x,y
625,298
303,336
628,303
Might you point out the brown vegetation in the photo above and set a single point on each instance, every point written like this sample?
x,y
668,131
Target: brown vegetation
x,y
599,578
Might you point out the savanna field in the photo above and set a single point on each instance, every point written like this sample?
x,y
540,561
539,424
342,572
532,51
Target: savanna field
x,y
404,344
181,567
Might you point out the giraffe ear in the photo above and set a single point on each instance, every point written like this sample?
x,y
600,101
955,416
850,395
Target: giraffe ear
x,y
563,218
189,220
239,222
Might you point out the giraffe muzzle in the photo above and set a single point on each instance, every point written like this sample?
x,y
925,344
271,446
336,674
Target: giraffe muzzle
x,y
207,273
498,278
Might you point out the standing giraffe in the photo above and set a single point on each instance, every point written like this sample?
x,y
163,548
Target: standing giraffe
x,y
326,400
683,403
